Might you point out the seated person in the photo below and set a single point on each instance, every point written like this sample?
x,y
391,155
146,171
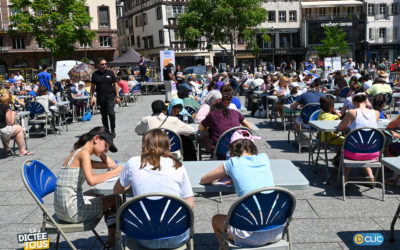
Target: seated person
x,y
8,128
249,171
212,98
379,86
393,150
183,93
281,91
45,99
159,119
176,109
78,102
123,85
157,170
221,119
233,104
70,203
132,82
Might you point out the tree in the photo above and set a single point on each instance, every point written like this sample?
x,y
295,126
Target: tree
x,y
57,25
334,43
221,22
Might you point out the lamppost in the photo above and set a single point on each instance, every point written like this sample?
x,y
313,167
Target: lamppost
x,y
273,47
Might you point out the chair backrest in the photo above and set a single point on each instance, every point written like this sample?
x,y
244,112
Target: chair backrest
x,y
154,216
136,88
190,110
262,209
364,140
175,140
389,98
314,116
35,108
307,111
290,99
344,92
38,179
224,140
330,96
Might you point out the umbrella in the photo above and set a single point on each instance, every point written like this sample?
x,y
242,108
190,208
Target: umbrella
x,y
81,72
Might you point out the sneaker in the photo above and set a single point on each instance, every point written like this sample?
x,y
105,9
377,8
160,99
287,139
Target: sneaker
x,y
113,133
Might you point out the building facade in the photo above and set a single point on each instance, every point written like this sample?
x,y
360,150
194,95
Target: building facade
x,y
22,51
382,31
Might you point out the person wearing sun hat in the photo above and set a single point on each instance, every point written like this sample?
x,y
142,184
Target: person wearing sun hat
x,y
70,203
380,85
249,171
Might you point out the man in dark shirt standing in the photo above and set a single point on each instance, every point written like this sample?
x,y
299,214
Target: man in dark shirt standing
x,y
143,68
106,86
169,78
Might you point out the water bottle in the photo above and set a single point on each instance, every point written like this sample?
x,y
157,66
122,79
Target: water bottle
x,y
227,155
185,118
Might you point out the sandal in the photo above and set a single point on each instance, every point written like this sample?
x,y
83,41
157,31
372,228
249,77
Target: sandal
x,y
26,154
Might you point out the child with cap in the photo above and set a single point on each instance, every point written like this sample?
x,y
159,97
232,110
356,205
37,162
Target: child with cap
x,y
249,171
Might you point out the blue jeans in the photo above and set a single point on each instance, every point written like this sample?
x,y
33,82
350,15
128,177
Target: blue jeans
x,y
173,242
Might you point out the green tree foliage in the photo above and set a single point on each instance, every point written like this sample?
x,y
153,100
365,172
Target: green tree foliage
x,y
334,43
220,22
55,24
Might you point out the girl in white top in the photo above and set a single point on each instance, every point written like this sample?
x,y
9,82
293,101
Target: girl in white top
x,y
157,170
360,117
282,90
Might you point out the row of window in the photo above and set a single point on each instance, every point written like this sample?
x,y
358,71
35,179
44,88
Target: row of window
x,y
148,41
383,33
282,16
383,9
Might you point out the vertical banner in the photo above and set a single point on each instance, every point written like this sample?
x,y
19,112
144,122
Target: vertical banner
x,y
166,56
328,62
336,63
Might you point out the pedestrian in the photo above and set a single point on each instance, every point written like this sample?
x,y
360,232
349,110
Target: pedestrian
x,y
106,86
143,69
45,78
169,79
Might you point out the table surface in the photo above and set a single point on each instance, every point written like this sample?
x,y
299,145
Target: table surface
x,y
330,126
285,174
196,126
62,103
336,106
392,163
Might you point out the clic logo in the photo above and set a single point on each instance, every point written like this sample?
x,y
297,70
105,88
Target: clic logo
x,y
368,239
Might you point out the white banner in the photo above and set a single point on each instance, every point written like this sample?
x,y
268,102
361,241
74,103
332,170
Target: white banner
x,y
166,56
336,63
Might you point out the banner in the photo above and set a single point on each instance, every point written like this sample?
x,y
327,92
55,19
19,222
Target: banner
x,y
166,56
336,63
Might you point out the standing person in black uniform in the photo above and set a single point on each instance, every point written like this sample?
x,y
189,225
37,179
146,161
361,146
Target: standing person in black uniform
x,y
143,69
106,86
169,79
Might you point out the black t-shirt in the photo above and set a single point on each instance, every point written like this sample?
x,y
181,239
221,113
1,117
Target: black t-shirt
x,y
104,82
3,111
166,71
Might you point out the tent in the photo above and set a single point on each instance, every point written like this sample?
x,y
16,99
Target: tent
x,y
129,58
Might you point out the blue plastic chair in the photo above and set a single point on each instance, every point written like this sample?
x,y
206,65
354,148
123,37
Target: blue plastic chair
x,y
174,140
363,140
190,110
136,91
343,94
222,146
38,115
305,115
40,181
263,209
154,216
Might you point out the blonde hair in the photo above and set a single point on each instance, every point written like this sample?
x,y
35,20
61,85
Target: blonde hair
x,y
5,98
282,80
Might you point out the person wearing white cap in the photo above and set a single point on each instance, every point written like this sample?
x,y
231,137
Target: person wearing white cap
x,y
248,170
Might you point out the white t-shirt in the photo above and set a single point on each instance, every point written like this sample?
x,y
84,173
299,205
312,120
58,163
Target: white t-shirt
x,y
368,84
166,180
18,78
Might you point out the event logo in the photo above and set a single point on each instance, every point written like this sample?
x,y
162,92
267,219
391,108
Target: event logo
x,y
368,239
34,240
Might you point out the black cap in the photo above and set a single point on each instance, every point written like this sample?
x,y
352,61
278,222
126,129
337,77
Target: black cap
x,y
108,138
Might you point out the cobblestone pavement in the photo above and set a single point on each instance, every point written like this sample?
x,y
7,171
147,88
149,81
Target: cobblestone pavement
x,y
322,219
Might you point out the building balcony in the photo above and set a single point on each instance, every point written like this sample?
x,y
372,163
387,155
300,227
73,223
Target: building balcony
x,y
181,46
340,16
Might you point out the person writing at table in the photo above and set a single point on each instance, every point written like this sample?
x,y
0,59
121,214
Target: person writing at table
x,y
157,170
70,203
249,171
356,118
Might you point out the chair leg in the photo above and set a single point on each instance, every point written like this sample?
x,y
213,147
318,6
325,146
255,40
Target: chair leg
x,y
57,241
396,216
343,185
383,183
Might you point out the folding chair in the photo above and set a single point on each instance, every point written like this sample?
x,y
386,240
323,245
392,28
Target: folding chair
x,y
136,92
305,115
38,115
363,141
343,94
313,117
190,110
261,210
152,217
40,181
290,114
174,140
389,102
222,146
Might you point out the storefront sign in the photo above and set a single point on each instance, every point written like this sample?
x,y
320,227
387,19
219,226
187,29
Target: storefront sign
x,y
337,24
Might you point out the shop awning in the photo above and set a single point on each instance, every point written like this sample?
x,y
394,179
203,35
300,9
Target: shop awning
x,y
327,4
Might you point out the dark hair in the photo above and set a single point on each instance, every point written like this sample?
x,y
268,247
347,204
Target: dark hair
x,y
353,79
317,82
158,107
379,101
183,92
44,66
100,59
155,144
340,81
211,85
227,94
42,90
360,98
87,136
237,147
326,104
230,75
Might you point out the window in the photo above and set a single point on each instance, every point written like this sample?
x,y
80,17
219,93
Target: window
x,y
336,10
138,41
18,43
161,36
81,45
395,33
177,10
395,9
132,40
371,9
271,16
322,11
382,32
282,16
292,16
151,42
307,12
240,39
145,42
370,35
105,41
350,10
136,21
104,18
158,13
176,36
382,9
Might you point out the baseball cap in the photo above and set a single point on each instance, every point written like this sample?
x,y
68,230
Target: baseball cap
x,y
243,134
108,138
